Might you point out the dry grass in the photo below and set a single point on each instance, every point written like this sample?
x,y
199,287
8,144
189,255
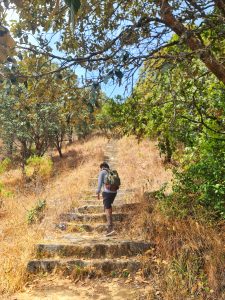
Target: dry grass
x,y
140,165
69,180
187,261
189,256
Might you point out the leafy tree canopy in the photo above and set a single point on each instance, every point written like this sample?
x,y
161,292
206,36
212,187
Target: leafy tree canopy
x,y
116,37
37,112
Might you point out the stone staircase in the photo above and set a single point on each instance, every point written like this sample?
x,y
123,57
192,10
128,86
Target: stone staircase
x,y
81,243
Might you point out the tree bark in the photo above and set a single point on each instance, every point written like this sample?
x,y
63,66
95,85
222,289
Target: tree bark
x,y
169,151
58,143
192,40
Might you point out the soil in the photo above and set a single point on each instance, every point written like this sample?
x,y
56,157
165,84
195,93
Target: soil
x,y
53,288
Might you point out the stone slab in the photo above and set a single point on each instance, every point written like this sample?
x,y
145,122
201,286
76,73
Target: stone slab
x,y
103,265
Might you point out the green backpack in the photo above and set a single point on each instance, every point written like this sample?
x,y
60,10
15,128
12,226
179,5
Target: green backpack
x,y
112,180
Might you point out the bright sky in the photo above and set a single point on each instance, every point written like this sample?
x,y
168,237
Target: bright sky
x,y
110,88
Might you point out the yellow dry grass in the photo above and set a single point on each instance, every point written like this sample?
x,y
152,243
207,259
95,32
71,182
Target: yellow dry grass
x,y
140,165
63,189
185,251
188,258
187,261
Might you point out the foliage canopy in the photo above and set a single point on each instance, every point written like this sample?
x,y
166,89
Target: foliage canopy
x,y
116,37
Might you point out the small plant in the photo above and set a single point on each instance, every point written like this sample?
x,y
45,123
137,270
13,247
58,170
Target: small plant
x,y
113,274
35,214
3,192
125,273
38,167
4,165
82,272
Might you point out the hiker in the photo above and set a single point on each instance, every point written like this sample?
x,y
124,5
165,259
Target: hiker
x,y
108,195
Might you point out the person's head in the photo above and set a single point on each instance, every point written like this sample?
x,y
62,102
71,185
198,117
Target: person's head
x,y
104,165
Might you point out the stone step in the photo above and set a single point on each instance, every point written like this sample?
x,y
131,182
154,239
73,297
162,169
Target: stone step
x,y
90,209
118,201
76,227
93,195
122,189
105,266
91,217
91,248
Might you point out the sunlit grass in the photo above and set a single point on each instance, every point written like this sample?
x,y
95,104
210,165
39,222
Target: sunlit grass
x,y
140,165
61,191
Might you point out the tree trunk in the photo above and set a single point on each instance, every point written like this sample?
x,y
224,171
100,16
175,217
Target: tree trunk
x,y
10,148
60,151
169,151
24,153
58,144
70,135
192,40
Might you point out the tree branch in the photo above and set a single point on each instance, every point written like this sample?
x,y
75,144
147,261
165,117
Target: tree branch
x,y
191,40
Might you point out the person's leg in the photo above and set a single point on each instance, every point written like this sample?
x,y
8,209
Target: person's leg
x,y
109,198
108,212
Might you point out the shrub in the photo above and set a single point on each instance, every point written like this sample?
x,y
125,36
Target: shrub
x,y
4,165
36,214
38,167
3,192
200,185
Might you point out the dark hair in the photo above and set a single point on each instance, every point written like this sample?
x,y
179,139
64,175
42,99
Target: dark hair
x,y
104,165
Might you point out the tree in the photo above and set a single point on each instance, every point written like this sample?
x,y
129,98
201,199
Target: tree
x,y
39,112
183,106
108,119
175,103
116,37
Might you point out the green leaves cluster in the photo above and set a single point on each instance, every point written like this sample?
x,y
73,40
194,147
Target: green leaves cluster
x,y
4,165
45,112
183,107
38,167
35,214
201,183
120,36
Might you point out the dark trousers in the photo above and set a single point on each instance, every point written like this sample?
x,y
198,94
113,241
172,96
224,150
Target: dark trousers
x,y
108,199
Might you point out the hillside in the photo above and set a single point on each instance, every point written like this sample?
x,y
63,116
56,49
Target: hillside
x,y
138,85
180,257
68,185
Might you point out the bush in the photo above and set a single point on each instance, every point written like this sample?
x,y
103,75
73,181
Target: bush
x,y
201,183
4,165
5,193
36,214
38,167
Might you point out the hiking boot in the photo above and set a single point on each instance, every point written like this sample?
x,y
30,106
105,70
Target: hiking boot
x,y
110,233
110,230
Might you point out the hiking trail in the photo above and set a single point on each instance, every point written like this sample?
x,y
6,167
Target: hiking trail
x,y
79,247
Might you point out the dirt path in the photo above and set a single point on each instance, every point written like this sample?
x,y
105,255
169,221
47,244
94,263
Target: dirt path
x,y
98,289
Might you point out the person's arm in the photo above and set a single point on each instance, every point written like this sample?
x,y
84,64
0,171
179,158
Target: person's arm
x,y
100,183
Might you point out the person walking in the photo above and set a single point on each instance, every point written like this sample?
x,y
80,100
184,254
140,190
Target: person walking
x,y
108,195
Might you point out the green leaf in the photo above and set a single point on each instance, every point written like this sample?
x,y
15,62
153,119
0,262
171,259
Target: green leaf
x,y
20,56
25,38
119,74
58,76
90,108
126,56
76,5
